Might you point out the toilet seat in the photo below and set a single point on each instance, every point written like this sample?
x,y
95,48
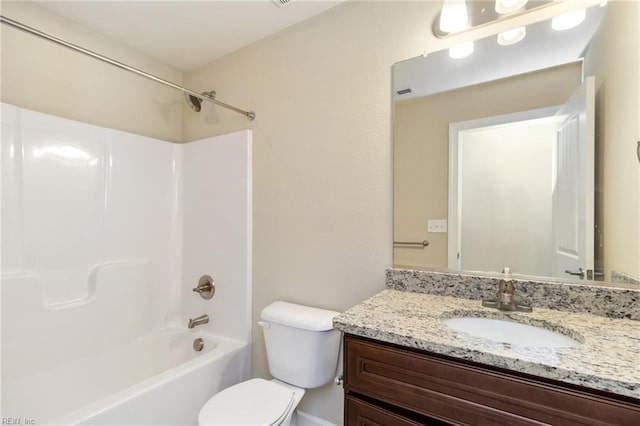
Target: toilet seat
x,y
256,402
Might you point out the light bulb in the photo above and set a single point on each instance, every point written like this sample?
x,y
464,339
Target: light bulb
x,y
453,16
461,50
513,36
509,6
568,20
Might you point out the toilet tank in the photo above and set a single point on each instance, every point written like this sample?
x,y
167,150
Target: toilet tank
x,y
302,346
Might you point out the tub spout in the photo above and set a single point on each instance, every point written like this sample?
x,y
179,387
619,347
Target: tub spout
x,y
202,319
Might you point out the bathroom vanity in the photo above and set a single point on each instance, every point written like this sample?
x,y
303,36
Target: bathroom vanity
x,y
404,366
391,385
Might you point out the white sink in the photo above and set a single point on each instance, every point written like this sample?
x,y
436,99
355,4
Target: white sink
x,y
510,332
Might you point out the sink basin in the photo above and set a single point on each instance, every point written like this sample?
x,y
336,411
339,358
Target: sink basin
x,y
510,332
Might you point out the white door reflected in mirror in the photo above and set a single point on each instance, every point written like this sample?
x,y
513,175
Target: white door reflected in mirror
x,y
521,187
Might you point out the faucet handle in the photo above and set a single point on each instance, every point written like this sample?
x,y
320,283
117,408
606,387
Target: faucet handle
x,y
506,299
206,288
505,291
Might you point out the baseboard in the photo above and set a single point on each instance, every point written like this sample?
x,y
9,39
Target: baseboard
x,y
304,419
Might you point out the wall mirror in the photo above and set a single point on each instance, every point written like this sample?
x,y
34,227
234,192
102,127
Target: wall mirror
x,y
523,155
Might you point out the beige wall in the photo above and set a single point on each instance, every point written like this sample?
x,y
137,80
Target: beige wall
x,y
42,76
618,174
421,148
322,155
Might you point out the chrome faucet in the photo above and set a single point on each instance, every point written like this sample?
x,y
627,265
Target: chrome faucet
x,y
506,300
202,319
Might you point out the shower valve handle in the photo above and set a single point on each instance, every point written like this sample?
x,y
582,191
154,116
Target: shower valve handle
x,y
206,287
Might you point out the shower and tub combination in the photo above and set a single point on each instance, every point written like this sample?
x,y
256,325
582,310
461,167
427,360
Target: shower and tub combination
x,y
105,234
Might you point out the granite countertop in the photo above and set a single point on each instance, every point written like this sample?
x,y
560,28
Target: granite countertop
x,y
607,359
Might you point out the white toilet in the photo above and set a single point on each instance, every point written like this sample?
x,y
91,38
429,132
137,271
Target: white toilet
x,y
302,350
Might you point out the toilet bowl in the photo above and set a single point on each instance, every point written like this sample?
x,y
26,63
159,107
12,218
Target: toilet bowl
x,y
302,350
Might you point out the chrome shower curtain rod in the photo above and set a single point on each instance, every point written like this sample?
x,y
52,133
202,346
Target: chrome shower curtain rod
x,y
249,114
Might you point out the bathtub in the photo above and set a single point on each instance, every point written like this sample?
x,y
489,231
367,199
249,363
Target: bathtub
x,y
157,379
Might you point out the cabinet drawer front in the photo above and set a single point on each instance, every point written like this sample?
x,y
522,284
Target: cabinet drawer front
x,y
361,413
465,394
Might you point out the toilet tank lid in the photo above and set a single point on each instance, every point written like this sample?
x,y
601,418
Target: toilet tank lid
x,y
299,316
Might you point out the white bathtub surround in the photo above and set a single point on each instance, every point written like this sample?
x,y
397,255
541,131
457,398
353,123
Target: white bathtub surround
x,y
216,229
104,233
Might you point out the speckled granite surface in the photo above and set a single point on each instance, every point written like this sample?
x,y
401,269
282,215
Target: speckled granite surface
x,y
622,277
607,359
608,301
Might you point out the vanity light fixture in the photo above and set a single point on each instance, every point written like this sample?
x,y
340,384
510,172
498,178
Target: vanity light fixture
x,y
568,20
509,6
507,38
457,17
461,50
454,16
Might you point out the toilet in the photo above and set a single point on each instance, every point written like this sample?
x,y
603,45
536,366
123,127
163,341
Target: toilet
x,y
302,351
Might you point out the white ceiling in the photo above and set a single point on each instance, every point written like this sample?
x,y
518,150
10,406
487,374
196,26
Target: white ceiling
x,y
187,34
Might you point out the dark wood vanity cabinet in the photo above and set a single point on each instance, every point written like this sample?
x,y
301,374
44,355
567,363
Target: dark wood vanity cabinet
x,y
391,385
